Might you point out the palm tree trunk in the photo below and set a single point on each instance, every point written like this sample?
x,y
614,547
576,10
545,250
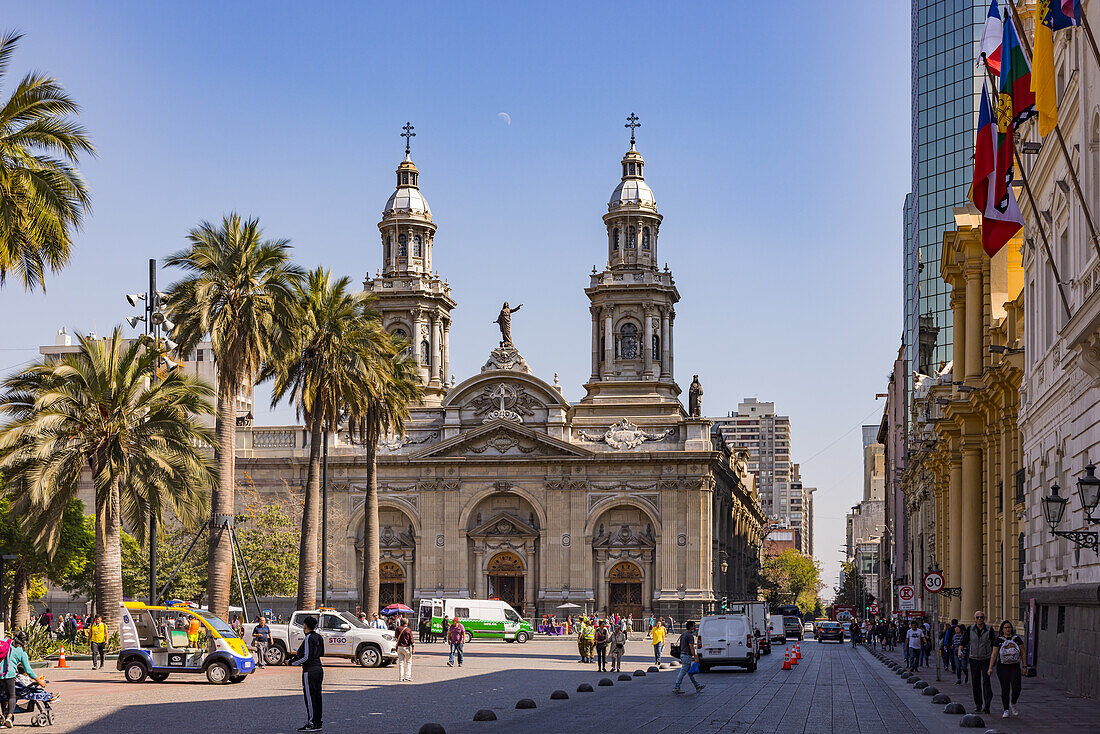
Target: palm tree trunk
x,y
108,552
311,513
20,606
220,560
370,531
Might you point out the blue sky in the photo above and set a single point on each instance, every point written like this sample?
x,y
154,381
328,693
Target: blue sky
x,y
776,138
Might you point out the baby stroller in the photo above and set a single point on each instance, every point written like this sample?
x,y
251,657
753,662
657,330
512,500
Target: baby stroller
x,y
37,700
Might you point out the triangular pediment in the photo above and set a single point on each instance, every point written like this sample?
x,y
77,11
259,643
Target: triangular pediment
x,y
504,524
503,439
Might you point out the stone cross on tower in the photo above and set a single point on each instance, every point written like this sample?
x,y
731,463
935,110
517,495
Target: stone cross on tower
x,y
632,122
407,135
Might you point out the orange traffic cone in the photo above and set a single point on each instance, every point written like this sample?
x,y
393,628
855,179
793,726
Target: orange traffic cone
x,y
786,660
61,661
794,656
798,650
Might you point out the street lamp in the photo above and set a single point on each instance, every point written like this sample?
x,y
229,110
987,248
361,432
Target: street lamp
x,y
1088,487
1054,509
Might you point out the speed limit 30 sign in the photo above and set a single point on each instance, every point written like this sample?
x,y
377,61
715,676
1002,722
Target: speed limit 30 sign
x,y
933,581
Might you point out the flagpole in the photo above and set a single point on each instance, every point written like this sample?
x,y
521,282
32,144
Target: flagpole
x,y
1038,216
1088,35
1058,130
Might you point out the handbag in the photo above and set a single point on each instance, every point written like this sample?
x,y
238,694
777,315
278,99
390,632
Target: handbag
x,y
675,650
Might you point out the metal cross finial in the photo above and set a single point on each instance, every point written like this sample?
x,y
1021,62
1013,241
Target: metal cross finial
x,y
632,122
407,135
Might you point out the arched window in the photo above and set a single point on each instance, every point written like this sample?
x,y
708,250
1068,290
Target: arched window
x,y
615,239
631,238
402,246
656,348
404,179
628,341
403,336
645,238
603,347
416,245
631,169
413,179
389,241
425,352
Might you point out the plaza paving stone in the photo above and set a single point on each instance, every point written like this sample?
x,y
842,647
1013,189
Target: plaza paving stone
x,y
834,689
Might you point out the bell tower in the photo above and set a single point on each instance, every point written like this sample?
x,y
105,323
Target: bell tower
x,y
632,301
414,303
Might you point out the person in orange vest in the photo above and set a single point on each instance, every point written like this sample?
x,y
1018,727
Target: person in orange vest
x,y
194,627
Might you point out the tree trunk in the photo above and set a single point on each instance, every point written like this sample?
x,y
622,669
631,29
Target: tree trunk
x,y
311,514
108,552
370,531
20,605
220,561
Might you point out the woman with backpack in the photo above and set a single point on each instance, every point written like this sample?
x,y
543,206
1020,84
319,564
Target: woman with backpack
x,y
1008,657
12,656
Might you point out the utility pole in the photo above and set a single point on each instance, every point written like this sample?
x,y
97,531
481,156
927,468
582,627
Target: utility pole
x,y
324,517
152,329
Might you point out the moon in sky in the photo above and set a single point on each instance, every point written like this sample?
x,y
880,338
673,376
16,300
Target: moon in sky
x,y
506,117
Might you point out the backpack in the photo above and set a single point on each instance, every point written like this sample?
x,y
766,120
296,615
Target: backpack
x,y
1009,653
5,646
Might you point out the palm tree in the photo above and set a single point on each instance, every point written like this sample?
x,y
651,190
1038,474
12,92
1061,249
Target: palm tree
x,y
390,387
43,199
239,291
106,410
338,339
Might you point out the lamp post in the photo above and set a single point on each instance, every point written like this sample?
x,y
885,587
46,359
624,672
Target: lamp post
x,y
1054,509
324,506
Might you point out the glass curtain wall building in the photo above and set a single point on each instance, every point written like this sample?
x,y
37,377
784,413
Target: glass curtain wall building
x,y
946,82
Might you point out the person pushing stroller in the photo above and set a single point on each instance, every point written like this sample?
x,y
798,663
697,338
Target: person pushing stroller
x,y
12,657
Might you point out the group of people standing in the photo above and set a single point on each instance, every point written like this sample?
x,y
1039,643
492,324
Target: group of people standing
x,y
596,637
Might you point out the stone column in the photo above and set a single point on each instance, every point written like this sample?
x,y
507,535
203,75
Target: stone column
x,y
972,576
671,344
479,571
446,352
647,345
950,526
434,348
595,342
609,341
973,339
664,342
1008,502
601,581
958,338
417,335
530,579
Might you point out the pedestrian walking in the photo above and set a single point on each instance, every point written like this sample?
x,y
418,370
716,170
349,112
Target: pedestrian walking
x,y
602,638
914,641
689,655
97,639
947,652
959,652
456,636
261,640
308,656
1008,656
14,656
979,642
618,647
405,649
658,638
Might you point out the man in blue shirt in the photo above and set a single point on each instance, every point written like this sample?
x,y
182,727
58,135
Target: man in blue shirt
x,y
261,638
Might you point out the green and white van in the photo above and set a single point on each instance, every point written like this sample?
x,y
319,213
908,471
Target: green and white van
x,y
483,619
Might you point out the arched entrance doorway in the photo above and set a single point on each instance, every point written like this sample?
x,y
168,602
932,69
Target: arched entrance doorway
x,y
505,579
391,589
625,590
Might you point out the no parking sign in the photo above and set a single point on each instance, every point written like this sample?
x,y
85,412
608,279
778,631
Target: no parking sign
x,y
907,598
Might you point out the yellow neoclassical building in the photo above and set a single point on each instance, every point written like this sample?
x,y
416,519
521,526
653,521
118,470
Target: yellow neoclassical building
x,y
963,481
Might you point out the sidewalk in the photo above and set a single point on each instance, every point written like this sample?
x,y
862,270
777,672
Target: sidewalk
x,y
1044,705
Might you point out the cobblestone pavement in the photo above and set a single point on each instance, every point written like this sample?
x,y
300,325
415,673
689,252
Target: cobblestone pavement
x,y
1044,705
834,689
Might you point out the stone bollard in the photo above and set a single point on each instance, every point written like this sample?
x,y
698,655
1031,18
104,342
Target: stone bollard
x,y
954,708
653,669
941,698
624,676
560,695
930,691
485,715
912,679
584,688
525,703
972,721
920,685
639,673
432,729
605,682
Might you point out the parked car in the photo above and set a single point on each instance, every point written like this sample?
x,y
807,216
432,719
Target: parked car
x,y
775,627
830,631
792,627
345,637
726,639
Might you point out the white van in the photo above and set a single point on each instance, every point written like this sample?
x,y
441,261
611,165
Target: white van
x,y
777,632
481,618
726,639
759,615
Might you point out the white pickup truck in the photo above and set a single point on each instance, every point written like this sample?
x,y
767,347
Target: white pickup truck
x,y
345,637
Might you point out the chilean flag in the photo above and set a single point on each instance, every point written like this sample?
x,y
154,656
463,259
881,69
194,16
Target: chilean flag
x,y
998,224
990,48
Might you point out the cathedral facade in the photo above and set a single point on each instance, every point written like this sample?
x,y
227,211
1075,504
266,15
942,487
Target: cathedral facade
x,y
502,488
